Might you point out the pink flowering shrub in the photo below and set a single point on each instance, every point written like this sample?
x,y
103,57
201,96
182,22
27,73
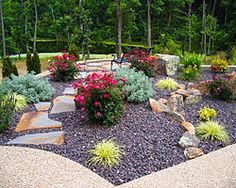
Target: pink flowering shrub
x,y
63,67
142,62
101,96
223,89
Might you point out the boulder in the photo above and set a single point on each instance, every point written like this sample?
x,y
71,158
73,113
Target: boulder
x,y
202,87
168,64
175,116
162,100
188,140
188,127
194,96
193,152
176,103
181,86
157,106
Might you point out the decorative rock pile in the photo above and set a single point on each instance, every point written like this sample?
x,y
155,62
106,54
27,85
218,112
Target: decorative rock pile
x,y
174,107
39,120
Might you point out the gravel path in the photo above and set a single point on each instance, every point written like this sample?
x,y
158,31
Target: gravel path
x,y
149,140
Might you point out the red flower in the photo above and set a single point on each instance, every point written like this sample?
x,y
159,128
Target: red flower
x,y
105,95
98,114
72,58
123,80
75,85
96,103
65,56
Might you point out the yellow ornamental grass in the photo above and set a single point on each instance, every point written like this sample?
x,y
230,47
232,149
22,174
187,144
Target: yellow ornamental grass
x,y
168,83
207,114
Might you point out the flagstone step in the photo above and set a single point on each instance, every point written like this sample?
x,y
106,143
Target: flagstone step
x,y
69,91
36,120
42,106
63,103
56,138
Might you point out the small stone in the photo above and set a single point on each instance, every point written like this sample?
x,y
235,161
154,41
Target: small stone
x,y
188,140
182,92
188,126
69,91
158,107
193,152
36,120
63,103
176,103
42,138
42,106
181,86
176,116
162,100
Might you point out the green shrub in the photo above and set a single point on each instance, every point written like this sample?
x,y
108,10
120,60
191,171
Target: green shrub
x,y
212,130
206,114
73,50
190,73
8,67
34,89
106,153
233,55
36,66
193,60
222,89
101,96
63,68
7,105
168,83
138,87
219,65
29,63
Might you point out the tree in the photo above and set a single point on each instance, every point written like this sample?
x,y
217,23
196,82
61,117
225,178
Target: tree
x,y
119,28
8,68
3,30
35,23
204,27
149,38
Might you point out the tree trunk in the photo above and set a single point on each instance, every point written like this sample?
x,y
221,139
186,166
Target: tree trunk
x,y
214,8
82,30
26,27
35,23
149,39
3,30
226,16
119,28
190,27
204,27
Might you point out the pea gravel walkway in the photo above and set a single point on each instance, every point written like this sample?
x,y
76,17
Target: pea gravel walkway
x,y
25,167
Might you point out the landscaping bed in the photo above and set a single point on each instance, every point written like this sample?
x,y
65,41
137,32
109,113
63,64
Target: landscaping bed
x,y
149,140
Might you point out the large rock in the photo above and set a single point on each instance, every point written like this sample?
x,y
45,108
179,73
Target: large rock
x,y
194,96
175,116
157,106
193,152
188,127
176,103
202,87
36,120
63,103
42,138
42,106
168,64
69,91
188,140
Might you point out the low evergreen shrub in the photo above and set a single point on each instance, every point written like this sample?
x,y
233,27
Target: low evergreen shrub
x,y
8,67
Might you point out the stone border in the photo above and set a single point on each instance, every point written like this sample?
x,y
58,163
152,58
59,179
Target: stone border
x,y
28,167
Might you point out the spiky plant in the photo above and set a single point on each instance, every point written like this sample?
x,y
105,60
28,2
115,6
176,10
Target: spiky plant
x,y
168,83
20,102
212,130
106,153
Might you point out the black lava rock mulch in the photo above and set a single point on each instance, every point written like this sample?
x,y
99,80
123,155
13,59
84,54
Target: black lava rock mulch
x,y
149,140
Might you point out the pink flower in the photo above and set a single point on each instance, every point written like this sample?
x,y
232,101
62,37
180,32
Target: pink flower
x,y
98,114
83,109
80,99
63,51
72,58
105,95
65,56
103,87
96,103
123,80
113,82
75,85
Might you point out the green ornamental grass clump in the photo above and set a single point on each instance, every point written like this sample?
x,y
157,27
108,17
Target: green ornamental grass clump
x,y
213,131
138,87
20,102
206,114
168,83
32,88
106,153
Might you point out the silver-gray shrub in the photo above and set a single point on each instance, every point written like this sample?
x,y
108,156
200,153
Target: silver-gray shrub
x,y
34,89
138,87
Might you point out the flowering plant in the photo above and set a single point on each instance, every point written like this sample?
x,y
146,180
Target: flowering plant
x,y
101,96
219,65
223,89
63,67
142,62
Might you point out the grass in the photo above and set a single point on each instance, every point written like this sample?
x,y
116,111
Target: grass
x,y
106,153
168,83
213,131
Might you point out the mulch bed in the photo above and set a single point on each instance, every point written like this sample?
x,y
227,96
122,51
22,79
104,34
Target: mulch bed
x,y
149,140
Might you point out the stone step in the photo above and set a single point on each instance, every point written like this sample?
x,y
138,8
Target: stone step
x,y
69,91
56,138
42,106
63,103
36,120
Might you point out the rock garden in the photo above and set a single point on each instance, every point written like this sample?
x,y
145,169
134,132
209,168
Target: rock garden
x,y
153,113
